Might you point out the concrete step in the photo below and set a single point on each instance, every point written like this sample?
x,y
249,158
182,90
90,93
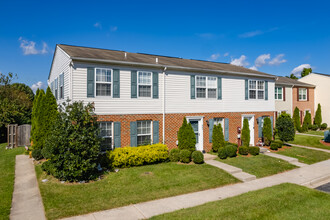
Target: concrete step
x,y
223,166
317,182
245,177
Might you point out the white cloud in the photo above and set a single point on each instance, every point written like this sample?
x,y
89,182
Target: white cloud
x,y
38,85
29,47
296,71
113,28
98,25
214,57
251,34
240,61
277,60
262,60
226,54
253,68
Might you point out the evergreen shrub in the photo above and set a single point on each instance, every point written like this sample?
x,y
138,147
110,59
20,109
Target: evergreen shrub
x,y
197,157
254,150
222,154
175,155
267,131
243,150
285,128
185,156
245,133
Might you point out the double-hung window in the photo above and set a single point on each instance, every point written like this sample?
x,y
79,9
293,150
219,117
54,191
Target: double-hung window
x,y
220,121
278,93
302,94
103,82
106,134
256,89
206,87
144,84
143,132
62,86
56,88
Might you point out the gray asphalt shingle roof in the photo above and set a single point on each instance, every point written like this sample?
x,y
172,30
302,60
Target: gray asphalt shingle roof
x,y
280,80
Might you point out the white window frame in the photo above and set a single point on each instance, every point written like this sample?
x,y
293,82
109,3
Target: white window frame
x,y
276,92
257,89
61,87
110,83
302,95
139,135
112,132
144,84
206,87
56,88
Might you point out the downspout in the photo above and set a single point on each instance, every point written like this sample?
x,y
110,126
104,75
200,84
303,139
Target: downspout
x,y
292,109
164,104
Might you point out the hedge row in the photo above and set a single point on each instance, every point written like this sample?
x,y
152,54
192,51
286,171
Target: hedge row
x,y
185,156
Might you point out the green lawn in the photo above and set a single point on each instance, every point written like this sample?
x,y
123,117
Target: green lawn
x,y
128,186
305,155
309,141
285,201
7,176
260,165
321,133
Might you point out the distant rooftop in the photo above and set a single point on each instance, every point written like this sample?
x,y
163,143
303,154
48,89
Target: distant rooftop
x,y
280,80
323,74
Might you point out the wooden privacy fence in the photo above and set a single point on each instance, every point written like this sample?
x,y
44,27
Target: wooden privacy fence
x,y
19,135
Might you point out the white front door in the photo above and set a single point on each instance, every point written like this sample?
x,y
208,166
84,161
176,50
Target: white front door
x,y
197,124
250,118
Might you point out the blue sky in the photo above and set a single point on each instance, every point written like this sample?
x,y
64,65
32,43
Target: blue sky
x,y
272,36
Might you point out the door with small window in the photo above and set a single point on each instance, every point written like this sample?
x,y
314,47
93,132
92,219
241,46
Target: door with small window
x,y
197,125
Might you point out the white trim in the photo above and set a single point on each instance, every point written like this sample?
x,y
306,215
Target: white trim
x,y
206,87
137,84
200,119
151,130
276,97
302,94
256,89
110,83
251,129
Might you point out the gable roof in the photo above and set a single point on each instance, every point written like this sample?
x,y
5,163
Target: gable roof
x,y
280,80
322,74
115,56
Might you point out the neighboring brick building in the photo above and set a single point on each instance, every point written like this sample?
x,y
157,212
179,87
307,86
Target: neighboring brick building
x,y
141,98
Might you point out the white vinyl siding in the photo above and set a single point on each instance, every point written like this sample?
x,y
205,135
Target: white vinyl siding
x,y
144,84
256,89
144,131
302,94
278,93
206,87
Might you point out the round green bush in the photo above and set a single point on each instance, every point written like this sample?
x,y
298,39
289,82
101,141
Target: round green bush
x,y
243,150
314,127
175,155
254,150
222,153
36,154
324,126
197,157
274,146
231,150
279,143
185,156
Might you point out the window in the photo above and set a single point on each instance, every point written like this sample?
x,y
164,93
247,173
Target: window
x,y
143,133
256,89
106,134
144,84
206,87
221,121
278,93
56,88
61,86
103,82
302,94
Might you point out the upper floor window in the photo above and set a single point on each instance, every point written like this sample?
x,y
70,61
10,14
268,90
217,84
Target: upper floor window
x,y
302,94
143,132
144,84
256,89
278,93
106,134
206,87
61,86
56,88
103,82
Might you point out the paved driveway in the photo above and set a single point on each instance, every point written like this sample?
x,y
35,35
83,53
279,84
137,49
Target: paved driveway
x,y
324,188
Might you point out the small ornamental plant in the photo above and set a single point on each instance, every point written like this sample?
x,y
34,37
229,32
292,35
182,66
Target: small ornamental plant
x,y
246,133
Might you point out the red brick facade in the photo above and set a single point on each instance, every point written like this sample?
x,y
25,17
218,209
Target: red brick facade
x,y
303,105
174,121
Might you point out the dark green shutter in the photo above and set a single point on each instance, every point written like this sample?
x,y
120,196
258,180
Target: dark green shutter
x,y
246,89
117,128
133,127
155,127
226,129
266,90
219,88
271,121
192,86
211,124
90,81
155,85
133,84
260,119
116,83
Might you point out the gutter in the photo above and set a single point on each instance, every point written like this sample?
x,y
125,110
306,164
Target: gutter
x,y
172,67
165,68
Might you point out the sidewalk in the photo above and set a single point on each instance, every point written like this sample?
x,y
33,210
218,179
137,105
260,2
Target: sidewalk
x,y
311,148
27,203
291,160
303,176
313,135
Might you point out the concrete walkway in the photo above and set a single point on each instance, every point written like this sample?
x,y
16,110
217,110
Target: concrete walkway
x,y
27,203
303,176
311,148
313,135
291,160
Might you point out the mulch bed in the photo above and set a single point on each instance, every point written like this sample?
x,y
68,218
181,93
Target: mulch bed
x,y
325,143
279,149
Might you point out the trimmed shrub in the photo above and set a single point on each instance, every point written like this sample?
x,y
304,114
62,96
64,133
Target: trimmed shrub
x,y
138,156
243,150
231,150
36,154
197,157
185,156
246,133
279,143
222,154
254,150
296,119
175,155
218,139
324,126
318,116
285,128
314,127
186,137
307,119
274,146
267,131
